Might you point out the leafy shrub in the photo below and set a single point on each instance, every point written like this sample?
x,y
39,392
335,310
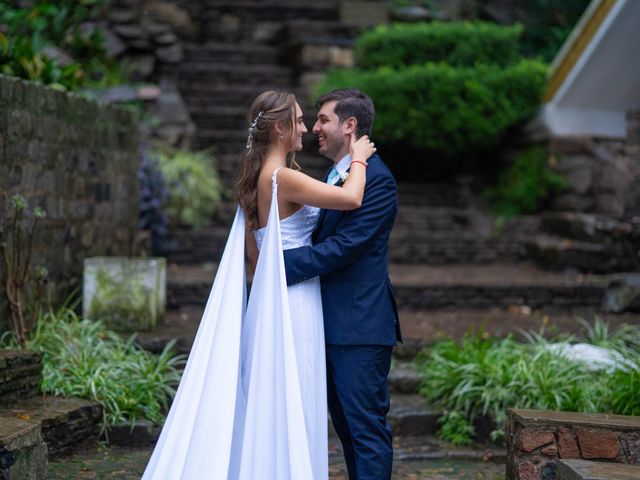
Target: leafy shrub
x,y
83,359
483,376
624,385
451,115
461,44
194,186
36,38
525,186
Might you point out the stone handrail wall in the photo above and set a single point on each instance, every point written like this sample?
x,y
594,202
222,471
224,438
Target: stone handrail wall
x,y
537,439
77,159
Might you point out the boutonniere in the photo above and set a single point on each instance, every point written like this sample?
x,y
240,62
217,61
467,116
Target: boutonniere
x,y
343,176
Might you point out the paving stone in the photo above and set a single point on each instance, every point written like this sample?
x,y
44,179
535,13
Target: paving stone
x,y
414,459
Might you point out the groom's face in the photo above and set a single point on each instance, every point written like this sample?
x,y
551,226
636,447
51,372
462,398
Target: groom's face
x,y
330,131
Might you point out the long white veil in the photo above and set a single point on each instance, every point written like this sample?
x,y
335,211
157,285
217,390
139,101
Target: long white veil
x,y
238,412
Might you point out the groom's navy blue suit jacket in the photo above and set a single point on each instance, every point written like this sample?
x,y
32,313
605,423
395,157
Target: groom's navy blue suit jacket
x,y
349,253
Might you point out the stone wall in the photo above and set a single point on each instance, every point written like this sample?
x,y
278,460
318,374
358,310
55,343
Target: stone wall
x,y
536,439
603,175
77,159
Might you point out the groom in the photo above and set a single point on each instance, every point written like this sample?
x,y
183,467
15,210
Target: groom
x,y
360,316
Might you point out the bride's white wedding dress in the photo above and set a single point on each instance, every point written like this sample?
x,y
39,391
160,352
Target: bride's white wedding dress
x,y
251,403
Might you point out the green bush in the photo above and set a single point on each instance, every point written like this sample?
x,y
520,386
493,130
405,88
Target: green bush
x,y
194,186
460,44
452,115
526,186
484,376
27,31
83,359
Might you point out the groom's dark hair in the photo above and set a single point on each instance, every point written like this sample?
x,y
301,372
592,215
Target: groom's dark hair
x,y
351,102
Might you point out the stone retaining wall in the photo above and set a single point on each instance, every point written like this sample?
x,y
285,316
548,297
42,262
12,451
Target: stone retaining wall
x,y
537,439
603,175
77,159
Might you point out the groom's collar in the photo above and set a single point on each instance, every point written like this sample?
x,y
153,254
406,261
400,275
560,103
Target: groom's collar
x,y
343,165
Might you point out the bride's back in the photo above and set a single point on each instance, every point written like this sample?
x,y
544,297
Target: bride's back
x,y
265,182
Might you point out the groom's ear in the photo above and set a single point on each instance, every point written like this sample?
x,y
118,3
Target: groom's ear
x,y
349,126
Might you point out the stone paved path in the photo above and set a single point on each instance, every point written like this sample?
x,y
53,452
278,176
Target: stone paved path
x,y
413,462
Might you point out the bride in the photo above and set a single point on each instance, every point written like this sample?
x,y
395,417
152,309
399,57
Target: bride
x,y
252,399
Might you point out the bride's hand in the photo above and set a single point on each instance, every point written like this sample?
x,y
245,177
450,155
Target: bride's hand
x,y
362,148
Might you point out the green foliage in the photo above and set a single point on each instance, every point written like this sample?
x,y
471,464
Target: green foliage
x,y
526,186
548,23
484,376
624,338
461,44
122,303
29,35
194,186
456,428
451,115
624,385
83,359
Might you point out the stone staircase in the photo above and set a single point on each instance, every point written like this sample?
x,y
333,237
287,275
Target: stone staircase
x,y
35,428
248,47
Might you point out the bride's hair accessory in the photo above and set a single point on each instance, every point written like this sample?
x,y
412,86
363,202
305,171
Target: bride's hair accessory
x,y
252,128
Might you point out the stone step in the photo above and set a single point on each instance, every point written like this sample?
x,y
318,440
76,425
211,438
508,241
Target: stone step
x,y
331,32
406,245
67,423
273,10
410,416
575,469
419,328
23,452
423,327
20,375
586,227
221,142
213,117
404,378
232,53
422,287
559,253
200,76
216,95
450,249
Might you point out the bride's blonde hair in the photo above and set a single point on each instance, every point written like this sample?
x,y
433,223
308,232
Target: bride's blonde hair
x,y
271,108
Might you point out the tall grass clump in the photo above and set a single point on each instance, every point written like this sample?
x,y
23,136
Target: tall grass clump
x,y
481,377
83,359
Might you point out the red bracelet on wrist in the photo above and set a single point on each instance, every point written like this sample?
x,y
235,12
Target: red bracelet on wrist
x,y
358,161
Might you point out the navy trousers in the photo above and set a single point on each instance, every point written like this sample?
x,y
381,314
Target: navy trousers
x,y
358,397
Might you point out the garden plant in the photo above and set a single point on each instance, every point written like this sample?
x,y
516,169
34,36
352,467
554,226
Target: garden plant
x,y
82,358
22,286
480,377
